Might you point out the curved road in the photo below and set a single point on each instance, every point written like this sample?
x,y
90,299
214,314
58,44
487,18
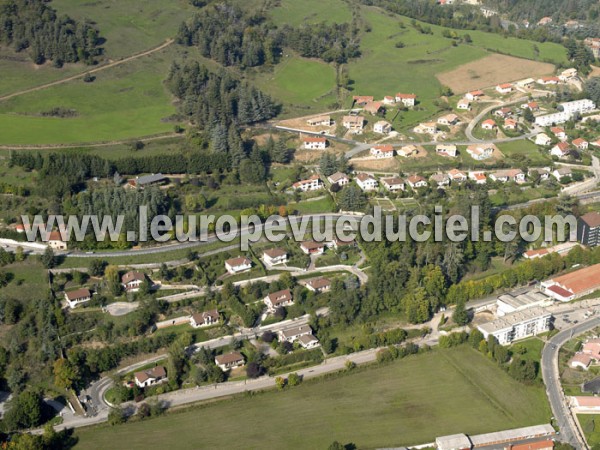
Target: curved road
x,y
569,429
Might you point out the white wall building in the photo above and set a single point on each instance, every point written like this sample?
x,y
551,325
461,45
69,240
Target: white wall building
x,y
518,325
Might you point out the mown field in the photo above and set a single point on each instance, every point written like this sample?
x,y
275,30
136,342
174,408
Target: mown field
x,y
407,402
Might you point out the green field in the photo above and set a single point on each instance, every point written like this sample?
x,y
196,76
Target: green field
x,y
130,101
294,12
122,103
590,423
129,26
406,402
300,81
524,150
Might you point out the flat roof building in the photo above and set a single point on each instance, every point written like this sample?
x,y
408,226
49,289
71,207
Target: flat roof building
x,y
510,303
518,325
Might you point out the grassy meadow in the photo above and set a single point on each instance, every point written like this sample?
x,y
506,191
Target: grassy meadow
x,y
410,401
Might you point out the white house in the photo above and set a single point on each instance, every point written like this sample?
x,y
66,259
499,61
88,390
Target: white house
x,y
416,181
562,172
457,175
568,74
278,299
505,88
354,124
543,139
488,124
311,184
480,152
315,143
393,184
204,319
55,241
319,121
559,133
294,333
339,178
448,119
548,81
478,177
366,182
407,150
150,377
561,150
406,99
440,179
464,104
510,124
389,100
318,285
308,341
312,247
237,265
446,150
132,281
518,325
580,144
474,95
508,175
77,297
275,256
382,127
426,128
230,361
382,151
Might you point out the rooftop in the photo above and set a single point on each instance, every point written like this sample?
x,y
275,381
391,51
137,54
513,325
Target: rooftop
x,y
581,280
512,319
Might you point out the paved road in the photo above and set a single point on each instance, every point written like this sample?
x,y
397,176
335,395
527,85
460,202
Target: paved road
x,y
97,390
242,232
568,427
484,112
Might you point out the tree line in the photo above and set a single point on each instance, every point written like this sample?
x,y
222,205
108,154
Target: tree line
x,y
227,34
34,26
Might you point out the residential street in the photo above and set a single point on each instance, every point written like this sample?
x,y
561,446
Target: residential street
x,y
560,407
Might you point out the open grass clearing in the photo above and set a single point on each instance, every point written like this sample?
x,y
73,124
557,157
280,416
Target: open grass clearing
x,y
122,103
407,402
293,12
129,26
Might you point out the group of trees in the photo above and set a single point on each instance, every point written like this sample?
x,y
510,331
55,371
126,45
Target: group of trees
x,y
33,25
227,34
219,103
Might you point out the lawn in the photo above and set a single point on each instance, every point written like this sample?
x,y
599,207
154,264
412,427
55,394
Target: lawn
x,y
30,280
294,12
524,150
590,428
406,402
122,103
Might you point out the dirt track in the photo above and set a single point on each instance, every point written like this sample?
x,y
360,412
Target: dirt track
x,y
91,71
